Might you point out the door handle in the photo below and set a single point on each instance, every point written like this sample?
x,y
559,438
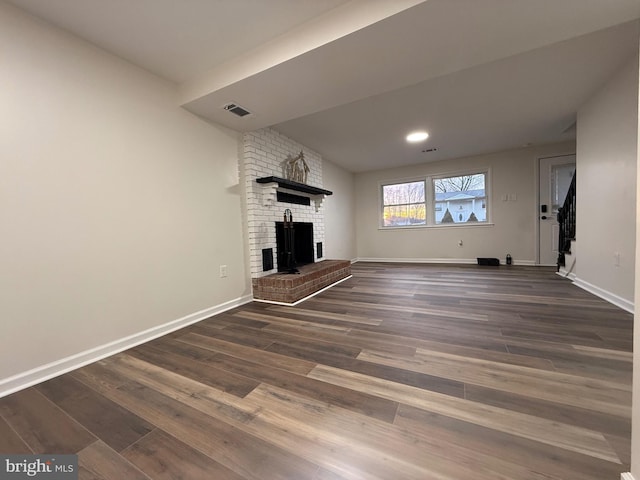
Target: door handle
x,y
543,217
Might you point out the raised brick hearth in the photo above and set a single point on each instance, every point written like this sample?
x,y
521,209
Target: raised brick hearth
x,y
289,288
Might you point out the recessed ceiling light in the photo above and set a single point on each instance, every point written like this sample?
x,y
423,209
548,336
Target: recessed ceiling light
x,y
417,136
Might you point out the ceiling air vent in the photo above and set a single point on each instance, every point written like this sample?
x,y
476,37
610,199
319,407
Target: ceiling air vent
x,y
236,109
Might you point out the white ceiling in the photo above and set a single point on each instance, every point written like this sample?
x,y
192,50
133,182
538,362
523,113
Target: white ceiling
x,y
350,78
531,98
177,39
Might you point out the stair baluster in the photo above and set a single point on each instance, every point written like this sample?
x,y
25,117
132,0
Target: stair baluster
x,y
567,223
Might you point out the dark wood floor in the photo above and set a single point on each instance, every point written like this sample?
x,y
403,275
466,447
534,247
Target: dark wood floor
x,y
402,372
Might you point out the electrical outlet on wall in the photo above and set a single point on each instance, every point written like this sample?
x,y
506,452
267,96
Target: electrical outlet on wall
x,y
616,259
223,271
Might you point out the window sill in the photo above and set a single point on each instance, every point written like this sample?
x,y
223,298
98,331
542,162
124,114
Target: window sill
x,y
455,225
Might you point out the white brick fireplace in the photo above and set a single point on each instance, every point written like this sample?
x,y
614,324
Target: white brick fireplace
x,y
264,152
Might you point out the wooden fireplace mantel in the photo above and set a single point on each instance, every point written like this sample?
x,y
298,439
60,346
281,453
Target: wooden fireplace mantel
x,y
296,186
271,185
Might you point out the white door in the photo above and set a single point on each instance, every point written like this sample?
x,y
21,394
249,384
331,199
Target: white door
x,y
555,177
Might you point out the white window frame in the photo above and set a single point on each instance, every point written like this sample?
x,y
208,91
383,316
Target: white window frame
x,y
400,182
430,202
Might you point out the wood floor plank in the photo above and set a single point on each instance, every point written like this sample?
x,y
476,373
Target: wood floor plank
x,y
317,343
268,359
317,355
328,439
238,451
169,400
99,376
228,318
296,365
609,353
503,356
443,335
243,414
224,380
559,462
360,402
620,446
579,417
115,426
598,395
376,446
42,425
229,335
329,349
310,333
164,457
553,433
10,441
575,363
529,299
99,462
217,404
312,324
324,474
580,338
339,319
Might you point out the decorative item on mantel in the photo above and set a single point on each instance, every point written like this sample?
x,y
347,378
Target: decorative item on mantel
x,y
295,171
295,168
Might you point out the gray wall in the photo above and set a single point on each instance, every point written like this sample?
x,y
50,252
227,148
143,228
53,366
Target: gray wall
x,y
117,206
606,187
513,222
339,209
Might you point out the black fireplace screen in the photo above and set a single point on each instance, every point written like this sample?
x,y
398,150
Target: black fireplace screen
x,y
300,249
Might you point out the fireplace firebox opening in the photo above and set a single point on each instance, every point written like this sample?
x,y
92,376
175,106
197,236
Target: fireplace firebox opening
x,y
303,246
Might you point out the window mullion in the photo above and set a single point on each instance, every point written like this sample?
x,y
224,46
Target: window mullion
x,y
429,199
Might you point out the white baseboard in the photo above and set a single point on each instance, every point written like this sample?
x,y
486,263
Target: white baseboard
x,y
50,370
457,261
418,260
626,476
565,274
605,295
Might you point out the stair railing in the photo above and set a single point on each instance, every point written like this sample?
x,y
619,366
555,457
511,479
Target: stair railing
x,y
567,223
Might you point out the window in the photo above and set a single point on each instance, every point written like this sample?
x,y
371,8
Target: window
x,y
404,204
437,200
460,199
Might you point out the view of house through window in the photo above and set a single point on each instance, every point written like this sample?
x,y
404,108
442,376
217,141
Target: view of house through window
x,y
435,201
460,199
404,204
